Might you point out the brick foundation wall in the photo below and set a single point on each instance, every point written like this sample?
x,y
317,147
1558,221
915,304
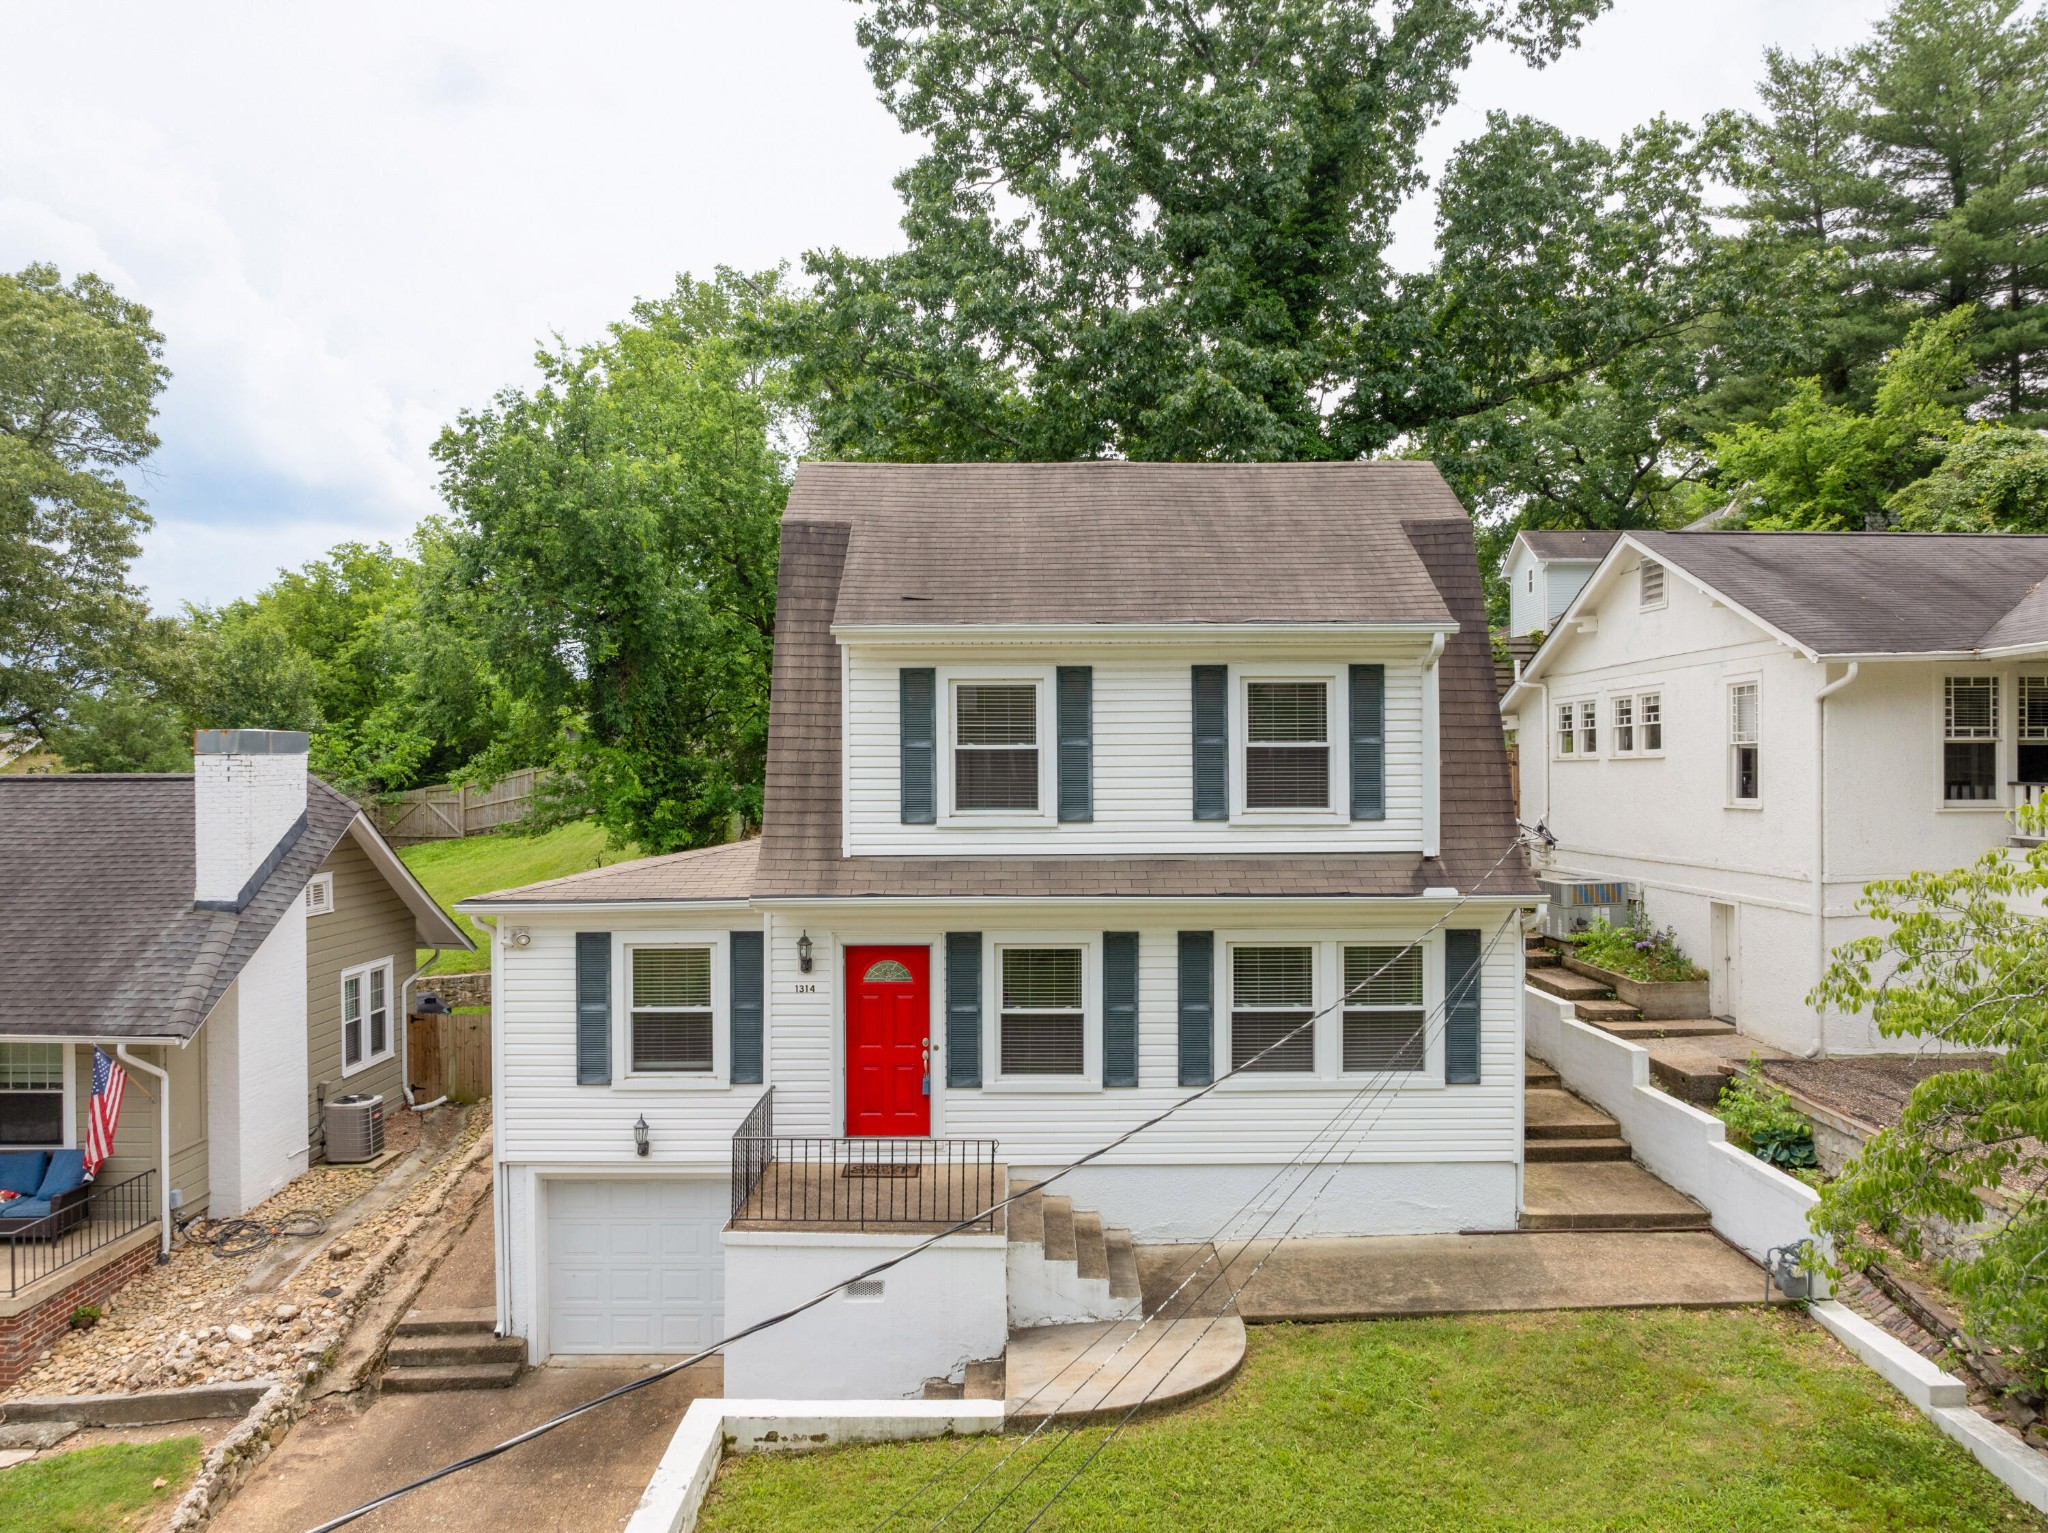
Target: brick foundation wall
x,y
24,1336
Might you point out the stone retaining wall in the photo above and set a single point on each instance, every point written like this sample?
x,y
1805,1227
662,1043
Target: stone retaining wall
x,y
456,989
24,1337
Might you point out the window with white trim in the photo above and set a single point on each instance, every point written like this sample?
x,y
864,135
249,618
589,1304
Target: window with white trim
x,y
995,746
1042,1022
1567,729
1272,994
31,1094
2031,747
1650,576
1969,739
1650,714
1287,745
1624,726
1745,760
1383,1011
670,1023
320,894
1589,728
366,1033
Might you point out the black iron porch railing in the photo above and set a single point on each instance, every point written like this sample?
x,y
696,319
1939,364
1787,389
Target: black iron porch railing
x,y
70,1233
796,1182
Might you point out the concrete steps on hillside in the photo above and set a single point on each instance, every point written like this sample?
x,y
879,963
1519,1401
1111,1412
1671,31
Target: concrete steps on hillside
x,y
1578,1172
436,1350
1065,1265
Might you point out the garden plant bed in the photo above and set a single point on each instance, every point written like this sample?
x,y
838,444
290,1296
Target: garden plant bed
x,y
1645,1420
1668,1000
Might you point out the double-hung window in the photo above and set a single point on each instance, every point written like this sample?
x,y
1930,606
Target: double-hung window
x,y
1287,745
1969,740
1650,719
1042,1023
995,746
2032,748
1624,726
31,1093
1589,728
1745,779
366,1035
1567,729
1272,1002
1383,1012
671,1012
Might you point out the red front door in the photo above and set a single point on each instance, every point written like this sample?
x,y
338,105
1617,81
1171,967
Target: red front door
x,y
888,1040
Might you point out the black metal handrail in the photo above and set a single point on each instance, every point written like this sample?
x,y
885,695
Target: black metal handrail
x,y
36,1248
790,1181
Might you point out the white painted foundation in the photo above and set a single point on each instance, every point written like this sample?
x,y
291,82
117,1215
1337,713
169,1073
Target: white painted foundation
x,y
932,1316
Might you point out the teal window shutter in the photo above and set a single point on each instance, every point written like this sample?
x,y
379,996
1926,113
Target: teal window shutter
x,y
917,695
1461,1008
1119,1008
747,989
1212,742
593,1008
1197,1008
1368,742
1074,689
963,1008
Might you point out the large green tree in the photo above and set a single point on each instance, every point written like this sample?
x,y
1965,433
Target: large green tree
x,y
80,371
615,549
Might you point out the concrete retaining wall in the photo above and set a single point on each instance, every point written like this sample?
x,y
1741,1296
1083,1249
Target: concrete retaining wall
x,y
1754,1205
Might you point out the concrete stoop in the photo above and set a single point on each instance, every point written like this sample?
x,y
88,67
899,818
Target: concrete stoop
x,y
450,1349
1578,1172
1064,1266
984,1381
1106,1370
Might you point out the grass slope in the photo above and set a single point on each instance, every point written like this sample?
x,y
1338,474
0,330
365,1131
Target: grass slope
x,y
455,870
95,1490
1637,1420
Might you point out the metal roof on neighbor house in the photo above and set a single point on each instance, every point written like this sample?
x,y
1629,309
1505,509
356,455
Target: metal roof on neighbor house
x,y
1875,593
1131,543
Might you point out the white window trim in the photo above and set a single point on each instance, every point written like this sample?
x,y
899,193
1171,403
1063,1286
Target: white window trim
x,y
1336,724
323,882
1578,752
72,1056
1663,722
1328,969
1614,727
1729,684
2003,740
993,1080
720,1077
362,971
1039,677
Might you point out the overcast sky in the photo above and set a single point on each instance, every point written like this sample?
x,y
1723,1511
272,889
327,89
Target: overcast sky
x,y
353,221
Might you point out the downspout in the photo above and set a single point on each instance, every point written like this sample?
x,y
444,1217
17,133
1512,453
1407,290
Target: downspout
x,y
163,1133
1433,755
501,1192
1820,846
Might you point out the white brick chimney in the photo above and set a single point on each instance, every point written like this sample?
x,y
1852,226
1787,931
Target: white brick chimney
x,y
249,803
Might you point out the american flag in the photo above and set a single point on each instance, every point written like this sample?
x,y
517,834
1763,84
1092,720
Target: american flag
x,y
109,1080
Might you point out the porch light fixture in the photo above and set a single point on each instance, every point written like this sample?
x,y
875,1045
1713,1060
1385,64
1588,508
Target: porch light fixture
x,y
803,952
640,1135
431,1005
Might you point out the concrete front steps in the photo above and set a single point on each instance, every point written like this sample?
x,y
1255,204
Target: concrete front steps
x,y
1065,1266
450,1349
1577,1170
984,1381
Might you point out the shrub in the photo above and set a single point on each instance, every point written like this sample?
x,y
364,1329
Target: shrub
x,y
85,1317
1763,1120
1638,950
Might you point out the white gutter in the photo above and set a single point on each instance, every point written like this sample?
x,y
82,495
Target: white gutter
x,y
1432,750
163,1132
1820,845
1130,633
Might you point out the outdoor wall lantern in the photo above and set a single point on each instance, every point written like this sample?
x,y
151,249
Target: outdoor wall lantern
x,y
640,1135
431,1006
803,952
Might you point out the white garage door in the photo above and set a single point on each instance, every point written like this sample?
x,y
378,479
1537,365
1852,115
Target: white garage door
x,y
635,1266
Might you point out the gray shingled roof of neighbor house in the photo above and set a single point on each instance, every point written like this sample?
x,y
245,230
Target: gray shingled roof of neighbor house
x,y
101,939
1571,543
1875,593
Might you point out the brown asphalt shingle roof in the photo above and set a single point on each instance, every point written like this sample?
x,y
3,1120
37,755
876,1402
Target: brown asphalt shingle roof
x,y
98,937
1572,543
1875,593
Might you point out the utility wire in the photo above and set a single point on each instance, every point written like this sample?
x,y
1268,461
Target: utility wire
x,y
484,1455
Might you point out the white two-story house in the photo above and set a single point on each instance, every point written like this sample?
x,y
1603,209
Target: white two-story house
x,y
1545,570
1748,727
1086,784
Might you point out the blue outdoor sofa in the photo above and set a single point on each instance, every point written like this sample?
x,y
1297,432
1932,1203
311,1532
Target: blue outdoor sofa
x,y
52,1193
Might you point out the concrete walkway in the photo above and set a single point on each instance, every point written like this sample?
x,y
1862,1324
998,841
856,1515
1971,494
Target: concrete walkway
x,y
1395,1276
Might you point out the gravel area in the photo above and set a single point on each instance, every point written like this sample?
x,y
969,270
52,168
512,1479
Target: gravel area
x,y
194,1321
1871,1089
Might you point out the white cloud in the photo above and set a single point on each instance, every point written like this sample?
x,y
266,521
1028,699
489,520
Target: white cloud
x,y
354,221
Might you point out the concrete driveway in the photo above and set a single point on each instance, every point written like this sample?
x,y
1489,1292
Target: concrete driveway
x,y
583,1476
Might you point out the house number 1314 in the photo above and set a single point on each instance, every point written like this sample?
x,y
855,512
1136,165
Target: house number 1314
x,y
806,989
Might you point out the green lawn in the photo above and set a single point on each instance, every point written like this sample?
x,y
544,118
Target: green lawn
x,y
1652,1420
455,870
96,1490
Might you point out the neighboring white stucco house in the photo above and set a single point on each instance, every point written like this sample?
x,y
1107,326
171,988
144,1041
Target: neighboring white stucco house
x,y
1751,726
1084,782
1545,570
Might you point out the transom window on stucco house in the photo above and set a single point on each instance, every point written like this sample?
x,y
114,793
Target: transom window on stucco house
x,y
1969,744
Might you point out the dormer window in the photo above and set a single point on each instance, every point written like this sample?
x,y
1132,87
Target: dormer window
x,y
1287,745
995,747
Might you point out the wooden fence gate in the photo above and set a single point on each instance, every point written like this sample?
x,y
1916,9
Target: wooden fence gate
x,y
449,814
449,1055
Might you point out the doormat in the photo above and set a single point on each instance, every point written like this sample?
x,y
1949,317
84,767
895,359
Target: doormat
x,y
880,1169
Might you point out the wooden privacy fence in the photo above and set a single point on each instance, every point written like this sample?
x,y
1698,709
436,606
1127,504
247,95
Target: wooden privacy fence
x,y
447,814
449,1055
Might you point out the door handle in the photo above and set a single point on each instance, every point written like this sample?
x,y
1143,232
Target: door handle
x,y
926,1087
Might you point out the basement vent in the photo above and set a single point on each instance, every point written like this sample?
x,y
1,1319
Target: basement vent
x,y
865,1291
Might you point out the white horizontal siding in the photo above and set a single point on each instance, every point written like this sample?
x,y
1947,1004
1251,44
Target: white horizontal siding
x,y
1143,764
